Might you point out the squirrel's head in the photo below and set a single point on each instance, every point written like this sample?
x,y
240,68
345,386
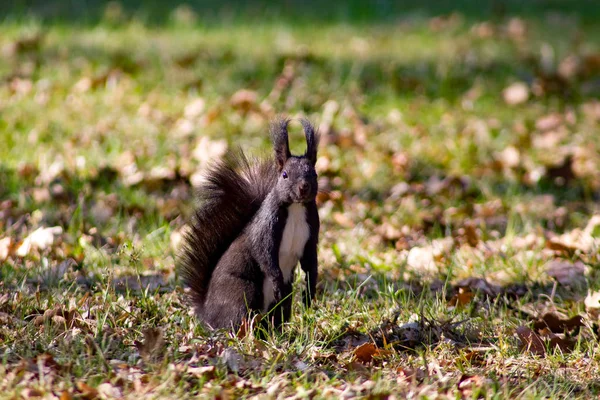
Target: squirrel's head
x,y
297,182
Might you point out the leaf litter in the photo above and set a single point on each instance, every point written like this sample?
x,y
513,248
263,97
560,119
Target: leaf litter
x,y
444,222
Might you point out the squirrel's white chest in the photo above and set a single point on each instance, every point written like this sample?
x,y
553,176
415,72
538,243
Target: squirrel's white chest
x,y
295,235
294,238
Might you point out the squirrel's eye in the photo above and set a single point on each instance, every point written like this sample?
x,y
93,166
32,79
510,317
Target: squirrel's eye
x,y
284,174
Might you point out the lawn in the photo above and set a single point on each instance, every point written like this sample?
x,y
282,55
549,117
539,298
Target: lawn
x,y
460,207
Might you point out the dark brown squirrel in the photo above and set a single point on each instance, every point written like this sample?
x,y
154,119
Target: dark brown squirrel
x,y
255,220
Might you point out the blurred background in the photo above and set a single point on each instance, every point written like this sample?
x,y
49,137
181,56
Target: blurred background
x,y
459,168
472,120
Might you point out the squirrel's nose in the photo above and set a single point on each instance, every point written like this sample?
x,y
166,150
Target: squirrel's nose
x,y
303,188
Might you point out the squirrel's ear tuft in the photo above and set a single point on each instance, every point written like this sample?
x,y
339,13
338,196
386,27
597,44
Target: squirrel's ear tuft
x,y
279,135
312,140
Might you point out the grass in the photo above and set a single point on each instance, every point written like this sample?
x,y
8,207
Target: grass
x,y
108,112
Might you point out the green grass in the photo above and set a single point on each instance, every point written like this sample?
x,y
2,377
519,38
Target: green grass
x,y
102,134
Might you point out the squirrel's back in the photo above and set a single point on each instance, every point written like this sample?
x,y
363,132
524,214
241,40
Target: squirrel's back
x,y
231,194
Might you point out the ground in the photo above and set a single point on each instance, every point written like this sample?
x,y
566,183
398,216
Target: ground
x,y
459,174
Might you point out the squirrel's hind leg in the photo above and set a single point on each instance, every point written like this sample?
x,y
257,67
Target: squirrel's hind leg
x,y
228,306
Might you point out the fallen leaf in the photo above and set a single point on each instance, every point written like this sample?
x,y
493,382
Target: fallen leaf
x,y
470,233
565,344
195,108
87,392
208,150
5,245
557,325
509,157
531,341
207,372
247,326
108,391
548,122
58,316
244,100
566,272
343,220
480,285
462,298
410,374
577,239
475,356
592,304
39,239
151,348
365,352
65,395
31,393
466,383
515,94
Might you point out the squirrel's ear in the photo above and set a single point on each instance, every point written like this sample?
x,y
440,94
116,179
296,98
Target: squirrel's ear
x,y
279,135
312,140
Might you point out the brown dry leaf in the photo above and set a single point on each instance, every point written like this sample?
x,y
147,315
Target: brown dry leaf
x,y
8,320
247,326
475,356
108,391
31,393
207,150
87,392
566,272
531,341
151,348
509,157
58,316
424,259
388,232
470,233
195,108
65,395
365,352
244,100
39,239
207,372
557,325
585,240
343,220
549,122
565,344
467,383
592,304
410,374
462,298
5,246
515,94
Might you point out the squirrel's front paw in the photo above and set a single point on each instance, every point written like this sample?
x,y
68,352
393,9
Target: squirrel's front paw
x,y
277,289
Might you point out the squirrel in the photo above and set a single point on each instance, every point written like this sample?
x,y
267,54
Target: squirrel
x,y
255,220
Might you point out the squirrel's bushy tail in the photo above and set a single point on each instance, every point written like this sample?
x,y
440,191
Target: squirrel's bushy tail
x,y
231,194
